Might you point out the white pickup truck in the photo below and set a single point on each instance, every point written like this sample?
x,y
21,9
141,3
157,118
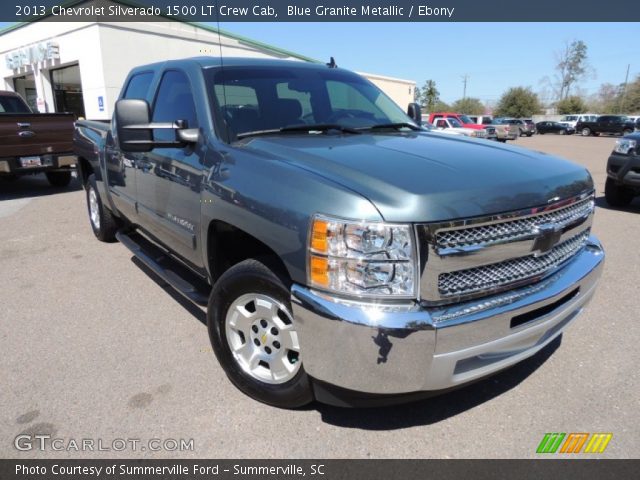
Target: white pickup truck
x,y
451,125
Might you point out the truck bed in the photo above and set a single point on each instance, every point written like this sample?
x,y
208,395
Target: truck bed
x,y
29,134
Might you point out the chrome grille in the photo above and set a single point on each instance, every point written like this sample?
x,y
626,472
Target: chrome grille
x,y
475,257
515,229
472,280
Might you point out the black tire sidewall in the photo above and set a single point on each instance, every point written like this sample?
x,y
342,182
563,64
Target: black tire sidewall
x,y
252,276
108,226
617,195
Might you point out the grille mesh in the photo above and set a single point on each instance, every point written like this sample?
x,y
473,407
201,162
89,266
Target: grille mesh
x,y
512,230
503,273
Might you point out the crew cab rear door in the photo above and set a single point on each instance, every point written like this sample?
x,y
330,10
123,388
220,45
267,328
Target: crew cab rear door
x,y
168,187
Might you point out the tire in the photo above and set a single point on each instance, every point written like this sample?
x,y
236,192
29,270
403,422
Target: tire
x,y
502,140
246,333
521,133
58,179
8,178
617,195
102,221
586,131
529,134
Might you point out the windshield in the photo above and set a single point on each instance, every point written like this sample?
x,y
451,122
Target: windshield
x,y
251,99
455,123
465,119
11,104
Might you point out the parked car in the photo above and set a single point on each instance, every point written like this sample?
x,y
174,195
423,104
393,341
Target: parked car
x,y
431,128
481,119
554,127
531,125
504,131
523,128
611,124
572,120
464,120
452,125
34,142
343,253
623,171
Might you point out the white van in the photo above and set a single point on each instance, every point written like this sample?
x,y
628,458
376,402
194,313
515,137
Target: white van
x,y
572,120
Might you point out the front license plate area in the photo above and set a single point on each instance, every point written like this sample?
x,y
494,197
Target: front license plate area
x,y
26,162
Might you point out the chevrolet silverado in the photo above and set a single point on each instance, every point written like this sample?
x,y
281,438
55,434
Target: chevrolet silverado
x,y
343,253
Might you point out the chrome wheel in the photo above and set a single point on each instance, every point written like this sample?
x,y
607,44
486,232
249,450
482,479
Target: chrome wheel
x,y
94,209
262,338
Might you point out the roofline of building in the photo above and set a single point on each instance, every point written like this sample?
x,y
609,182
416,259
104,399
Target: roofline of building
x,y
240,38
384,77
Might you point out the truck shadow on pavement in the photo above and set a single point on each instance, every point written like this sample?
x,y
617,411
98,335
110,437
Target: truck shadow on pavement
x,y
31,186
439,408
634,206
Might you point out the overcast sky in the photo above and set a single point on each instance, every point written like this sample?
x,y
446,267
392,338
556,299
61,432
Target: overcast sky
x,y
495,56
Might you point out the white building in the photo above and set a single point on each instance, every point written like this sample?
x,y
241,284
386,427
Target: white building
x,y
80,67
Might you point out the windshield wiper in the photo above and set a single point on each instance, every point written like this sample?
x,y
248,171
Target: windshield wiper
x,y
320,127
395,126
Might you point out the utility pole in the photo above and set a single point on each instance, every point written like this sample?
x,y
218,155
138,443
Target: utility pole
x,y
623,102
465,78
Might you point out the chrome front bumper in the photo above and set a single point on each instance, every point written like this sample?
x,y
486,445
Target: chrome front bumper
x,y
403,348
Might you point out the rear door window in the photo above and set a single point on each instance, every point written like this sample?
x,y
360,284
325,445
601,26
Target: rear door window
x,y
138,86
174,101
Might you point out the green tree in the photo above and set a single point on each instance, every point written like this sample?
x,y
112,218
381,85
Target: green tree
x,y
429,95
572,104
572,66
470,105
518,102
630,102
417,95
441,106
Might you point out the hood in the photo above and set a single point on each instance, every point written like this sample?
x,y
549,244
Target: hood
x,y
424,177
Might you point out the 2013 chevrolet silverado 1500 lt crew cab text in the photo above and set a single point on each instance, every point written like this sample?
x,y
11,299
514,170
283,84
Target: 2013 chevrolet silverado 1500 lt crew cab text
x,y
34,142
343,252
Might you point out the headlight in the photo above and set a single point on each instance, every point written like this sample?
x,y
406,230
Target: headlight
x,y
362,258
623,145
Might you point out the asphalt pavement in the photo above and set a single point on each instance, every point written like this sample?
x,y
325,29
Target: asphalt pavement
x,y
93,348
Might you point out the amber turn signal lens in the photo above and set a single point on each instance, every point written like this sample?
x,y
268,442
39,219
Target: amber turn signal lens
x,y
319,271
319,236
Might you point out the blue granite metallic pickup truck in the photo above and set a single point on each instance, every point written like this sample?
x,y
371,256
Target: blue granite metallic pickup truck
x,y
343,253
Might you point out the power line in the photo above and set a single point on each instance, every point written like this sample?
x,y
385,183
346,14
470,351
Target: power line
x,y
465,78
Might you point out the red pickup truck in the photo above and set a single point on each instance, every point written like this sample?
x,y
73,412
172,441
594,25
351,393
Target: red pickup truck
x,y
35,142
463,119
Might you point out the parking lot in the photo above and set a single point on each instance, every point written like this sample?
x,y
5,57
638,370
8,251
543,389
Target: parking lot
x,y
94,348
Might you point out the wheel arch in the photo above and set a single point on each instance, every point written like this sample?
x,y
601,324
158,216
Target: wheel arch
x,y
228,245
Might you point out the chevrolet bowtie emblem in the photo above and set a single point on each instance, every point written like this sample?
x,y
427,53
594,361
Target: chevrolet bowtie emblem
x,y
547,238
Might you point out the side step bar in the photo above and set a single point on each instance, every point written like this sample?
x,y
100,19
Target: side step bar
x,y
168,269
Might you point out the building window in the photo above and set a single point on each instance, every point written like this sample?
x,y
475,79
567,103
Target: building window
x,y
67,90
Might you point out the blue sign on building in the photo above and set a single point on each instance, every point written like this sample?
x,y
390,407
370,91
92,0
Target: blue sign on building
x,y
101,103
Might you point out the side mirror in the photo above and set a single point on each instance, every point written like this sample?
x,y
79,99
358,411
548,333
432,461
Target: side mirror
x,y
132,124
415,112
135,131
